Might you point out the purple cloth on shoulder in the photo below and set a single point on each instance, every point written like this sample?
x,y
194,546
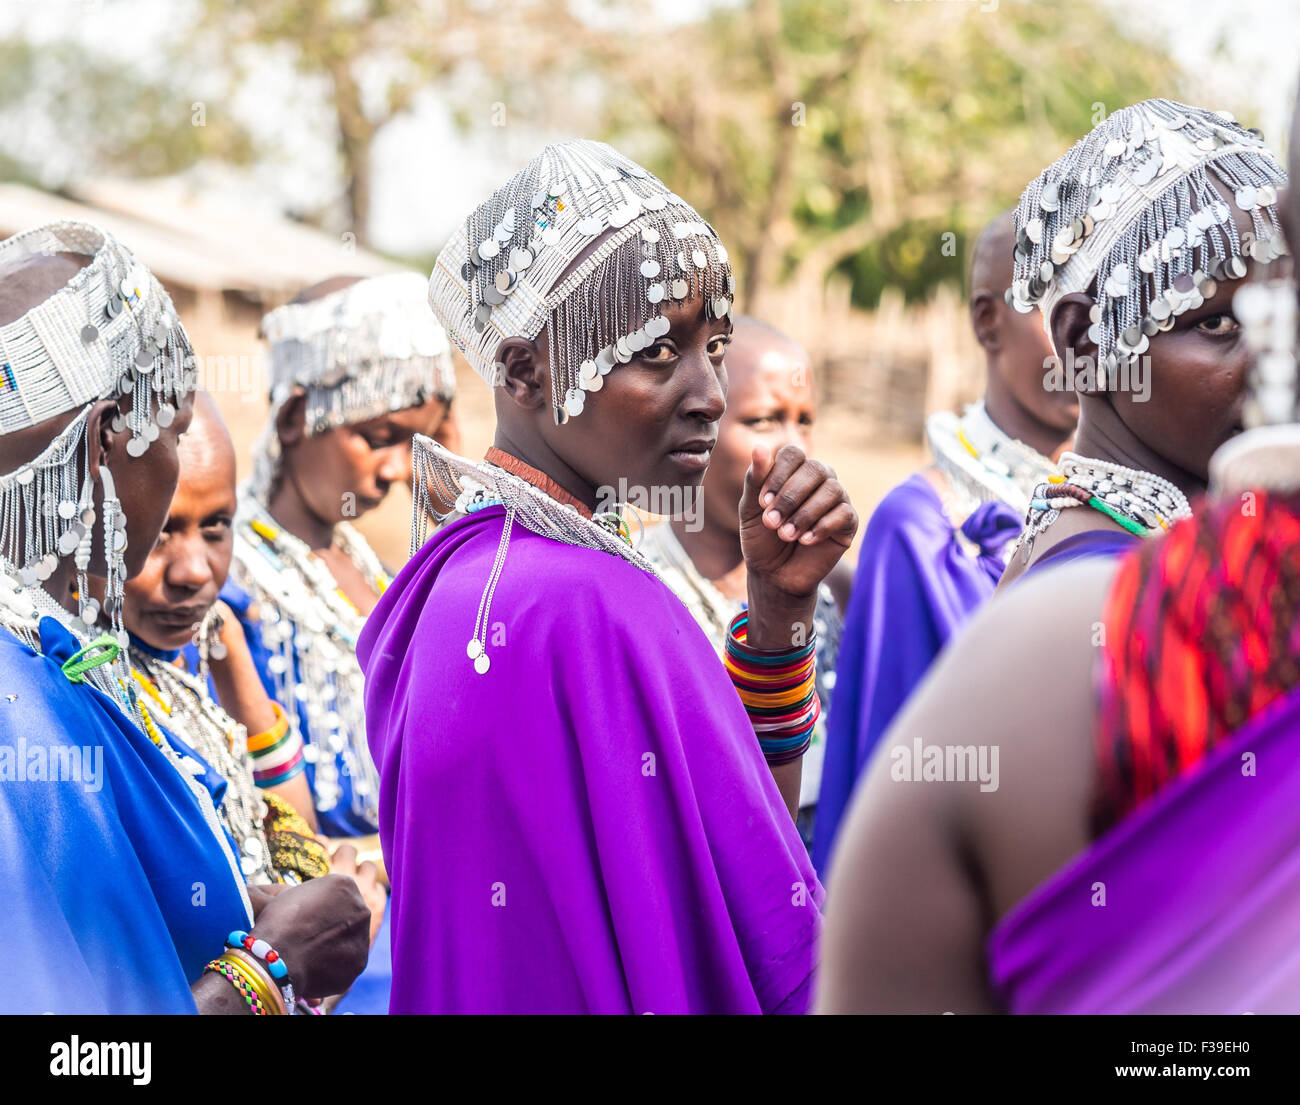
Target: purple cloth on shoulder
x,y
1201,889
915,585
1081,546
590,826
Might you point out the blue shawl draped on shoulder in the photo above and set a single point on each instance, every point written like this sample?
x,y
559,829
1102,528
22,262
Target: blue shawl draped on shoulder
x,y
114,890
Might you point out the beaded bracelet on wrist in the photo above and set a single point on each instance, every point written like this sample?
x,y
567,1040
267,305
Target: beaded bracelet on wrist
x,y
277,753
243,987
242,944
778,690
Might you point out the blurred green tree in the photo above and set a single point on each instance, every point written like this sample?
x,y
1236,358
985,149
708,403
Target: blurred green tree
x,y
820,136
832,135
371,56
124,123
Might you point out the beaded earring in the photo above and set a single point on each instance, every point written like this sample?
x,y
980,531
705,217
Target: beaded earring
x,y
115,564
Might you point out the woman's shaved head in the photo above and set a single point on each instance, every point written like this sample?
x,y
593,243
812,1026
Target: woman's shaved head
x,y
32,279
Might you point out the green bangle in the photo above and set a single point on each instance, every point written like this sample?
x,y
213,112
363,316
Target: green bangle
x,y
104,649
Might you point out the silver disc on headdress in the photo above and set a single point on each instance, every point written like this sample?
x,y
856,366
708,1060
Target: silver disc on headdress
x,y
110,332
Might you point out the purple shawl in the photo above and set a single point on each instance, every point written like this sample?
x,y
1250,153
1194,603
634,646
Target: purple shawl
x,y
915,585
1202,896
589,826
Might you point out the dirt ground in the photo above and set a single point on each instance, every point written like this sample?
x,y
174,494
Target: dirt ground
x,y
868,472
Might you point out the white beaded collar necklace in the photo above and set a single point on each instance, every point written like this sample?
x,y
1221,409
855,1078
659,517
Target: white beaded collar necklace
x,y
311,628
984,463
1150,504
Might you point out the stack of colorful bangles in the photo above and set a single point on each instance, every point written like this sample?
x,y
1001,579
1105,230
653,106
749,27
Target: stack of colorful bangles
x,y
778,689
257,972
277,753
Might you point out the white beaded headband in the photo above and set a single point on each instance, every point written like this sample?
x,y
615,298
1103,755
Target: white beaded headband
x,y
1130,209
111,330
358,353
509,270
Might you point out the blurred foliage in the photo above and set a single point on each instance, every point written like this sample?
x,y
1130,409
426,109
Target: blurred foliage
x,y
820,136
917,120
66,112
372,56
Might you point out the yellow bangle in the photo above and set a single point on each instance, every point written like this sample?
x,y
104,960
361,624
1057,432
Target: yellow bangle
x,y
267,992
266,738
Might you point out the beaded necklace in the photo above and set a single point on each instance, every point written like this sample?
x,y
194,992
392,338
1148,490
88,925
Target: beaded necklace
x,y
311,628
984,463
441,476
1141,502
21,611
178,700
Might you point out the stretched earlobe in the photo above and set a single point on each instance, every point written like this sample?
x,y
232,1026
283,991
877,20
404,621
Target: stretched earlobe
x,y
523,373
291,418
101,437
1071,319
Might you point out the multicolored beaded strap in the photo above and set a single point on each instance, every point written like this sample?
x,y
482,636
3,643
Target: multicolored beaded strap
x,y
1059,495
227,970
778,689
243,942
1140,502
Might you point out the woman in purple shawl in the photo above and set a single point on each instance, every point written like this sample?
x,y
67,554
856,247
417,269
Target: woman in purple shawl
x,y
1125,842
575,810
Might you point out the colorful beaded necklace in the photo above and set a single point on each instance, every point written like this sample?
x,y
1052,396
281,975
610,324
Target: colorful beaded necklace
x,y
1140,502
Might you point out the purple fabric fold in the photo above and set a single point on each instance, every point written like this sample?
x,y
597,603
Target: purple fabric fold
x,y
914,587
991,527
589,826
1201,889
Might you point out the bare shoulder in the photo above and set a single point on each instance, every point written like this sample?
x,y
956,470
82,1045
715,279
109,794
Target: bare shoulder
x,y
979,791
1019,687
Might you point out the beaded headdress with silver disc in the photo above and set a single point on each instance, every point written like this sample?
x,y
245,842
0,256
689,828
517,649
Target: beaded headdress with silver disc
x,y
591,247
110,332
1130,216
510,269
359,353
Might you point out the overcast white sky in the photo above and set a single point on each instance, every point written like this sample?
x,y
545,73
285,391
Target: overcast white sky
x,y
1246,52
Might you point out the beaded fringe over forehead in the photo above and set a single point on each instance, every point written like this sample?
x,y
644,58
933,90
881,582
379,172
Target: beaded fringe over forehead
x,y
110,331
509,271
1131,209
359,353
